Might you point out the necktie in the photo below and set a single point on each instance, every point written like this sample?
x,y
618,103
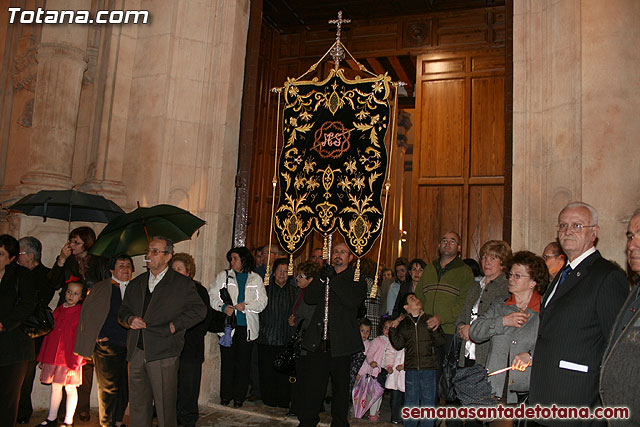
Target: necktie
x,y
563,275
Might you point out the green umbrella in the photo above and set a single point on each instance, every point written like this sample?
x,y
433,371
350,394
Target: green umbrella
x,y
130,233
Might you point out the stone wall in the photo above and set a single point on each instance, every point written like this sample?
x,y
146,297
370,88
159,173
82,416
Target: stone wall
x,y
138,113
575,128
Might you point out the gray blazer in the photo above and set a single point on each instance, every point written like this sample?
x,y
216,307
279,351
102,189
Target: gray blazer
x,y
505,343
496,291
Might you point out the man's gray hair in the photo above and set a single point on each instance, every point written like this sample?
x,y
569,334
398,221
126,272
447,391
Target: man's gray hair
x,y
31,245
637,212
592,210
168,243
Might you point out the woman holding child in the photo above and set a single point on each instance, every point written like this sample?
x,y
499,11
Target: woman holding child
x,y
512,326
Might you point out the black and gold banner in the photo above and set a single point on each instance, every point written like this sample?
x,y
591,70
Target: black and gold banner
x,y
333,163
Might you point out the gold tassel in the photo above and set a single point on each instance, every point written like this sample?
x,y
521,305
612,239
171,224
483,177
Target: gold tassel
x,y
325,248
290,272
374,288
266,276
356,275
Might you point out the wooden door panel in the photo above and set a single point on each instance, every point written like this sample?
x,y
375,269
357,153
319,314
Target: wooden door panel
x,y
486,207
487,126
439,209
442,136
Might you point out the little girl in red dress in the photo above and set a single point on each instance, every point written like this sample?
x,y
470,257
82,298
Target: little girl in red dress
x,y
60,366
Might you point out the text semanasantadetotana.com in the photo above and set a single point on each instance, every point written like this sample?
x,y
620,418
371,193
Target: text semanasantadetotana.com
x,y
42,16
516,412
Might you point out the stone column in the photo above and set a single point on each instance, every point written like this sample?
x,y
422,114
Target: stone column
x,y
576,96
61,63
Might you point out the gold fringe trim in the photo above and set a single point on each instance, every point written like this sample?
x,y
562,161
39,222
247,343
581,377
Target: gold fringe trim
x,y
356,275
290,271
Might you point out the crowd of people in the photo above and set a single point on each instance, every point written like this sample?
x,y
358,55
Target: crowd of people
x,y
565,324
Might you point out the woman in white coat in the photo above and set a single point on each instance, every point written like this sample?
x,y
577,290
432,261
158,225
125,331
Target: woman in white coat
x,y
248,298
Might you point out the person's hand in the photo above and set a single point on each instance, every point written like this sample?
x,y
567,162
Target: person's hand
x,y
400,367
433,322
65,253
373,364
136,322
463,332
389,369
516,319
228,310
357,377
521,361
172,328
328,271
396,322
239,306
1,327
292,320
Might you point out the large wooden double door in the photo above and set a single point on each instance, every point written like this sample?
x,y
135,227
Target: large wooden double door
x,y
458,176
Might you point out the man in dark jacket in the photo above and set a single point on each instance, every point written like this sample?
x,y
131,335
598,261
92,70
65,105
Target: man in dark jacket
x,y
619,381
330,357
577,315
420,342
158,307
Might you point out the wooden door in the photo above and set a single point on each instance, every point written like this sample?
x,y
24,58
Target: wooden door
x,y
459,154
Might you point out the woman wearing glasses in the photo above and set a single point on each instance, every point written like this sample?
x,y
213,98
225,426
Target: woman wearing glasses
x,y
512,327
492,287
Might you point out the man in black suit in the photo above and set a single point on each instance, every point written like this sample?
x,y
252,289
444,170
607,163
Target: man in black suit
x,y
334,357
619,381
576,317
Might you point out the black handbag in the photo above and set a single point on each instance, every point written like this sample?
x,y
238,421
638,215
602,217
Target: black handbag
x,y
219,319
38,323
285,362
446,389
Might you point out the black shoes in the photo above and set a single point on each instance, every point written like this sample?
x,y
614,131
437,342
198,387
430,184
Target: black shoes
x,y
48,423
224,402
237,404
84,416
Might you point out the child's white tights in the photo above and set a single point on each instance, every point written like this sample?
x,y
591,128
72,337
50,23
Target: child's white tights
x,y
56,398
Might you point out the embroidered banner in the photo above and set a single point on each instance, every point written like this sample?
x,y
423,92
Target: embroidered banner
x,y
333,162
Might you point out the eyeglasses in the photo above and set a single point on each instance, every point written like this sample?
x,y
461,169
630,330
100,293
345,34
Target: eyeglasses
x,y
76,242
576,228
301,276
155,251
22,253
547,256
451,242
517,276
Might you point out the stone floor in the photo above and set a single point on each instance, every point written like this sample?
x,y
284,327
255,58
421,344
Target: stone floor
x,y
251,414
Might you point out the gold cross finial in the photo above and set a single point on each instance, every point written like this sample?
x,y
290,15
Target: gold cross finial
x,y
339,23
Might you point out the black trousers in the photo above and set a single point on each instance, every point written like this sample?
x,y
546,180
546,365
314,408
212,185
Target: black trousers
x,y
275,387
25,407
189,376
110,362
235,361
11,378
442,353
314,370
397,402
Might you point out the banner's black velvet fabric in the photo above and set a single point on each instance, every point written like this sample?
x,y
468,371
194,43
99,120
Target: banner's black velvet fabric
x,y
333,163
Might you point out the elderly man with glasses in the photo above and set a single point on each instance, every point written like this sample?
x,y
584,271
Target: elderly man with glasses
x,y
577,314
554,257
158,307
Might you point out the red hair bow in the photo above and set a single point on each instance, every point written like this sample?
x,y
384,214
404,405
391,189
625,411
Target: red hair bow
x,y
72,279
